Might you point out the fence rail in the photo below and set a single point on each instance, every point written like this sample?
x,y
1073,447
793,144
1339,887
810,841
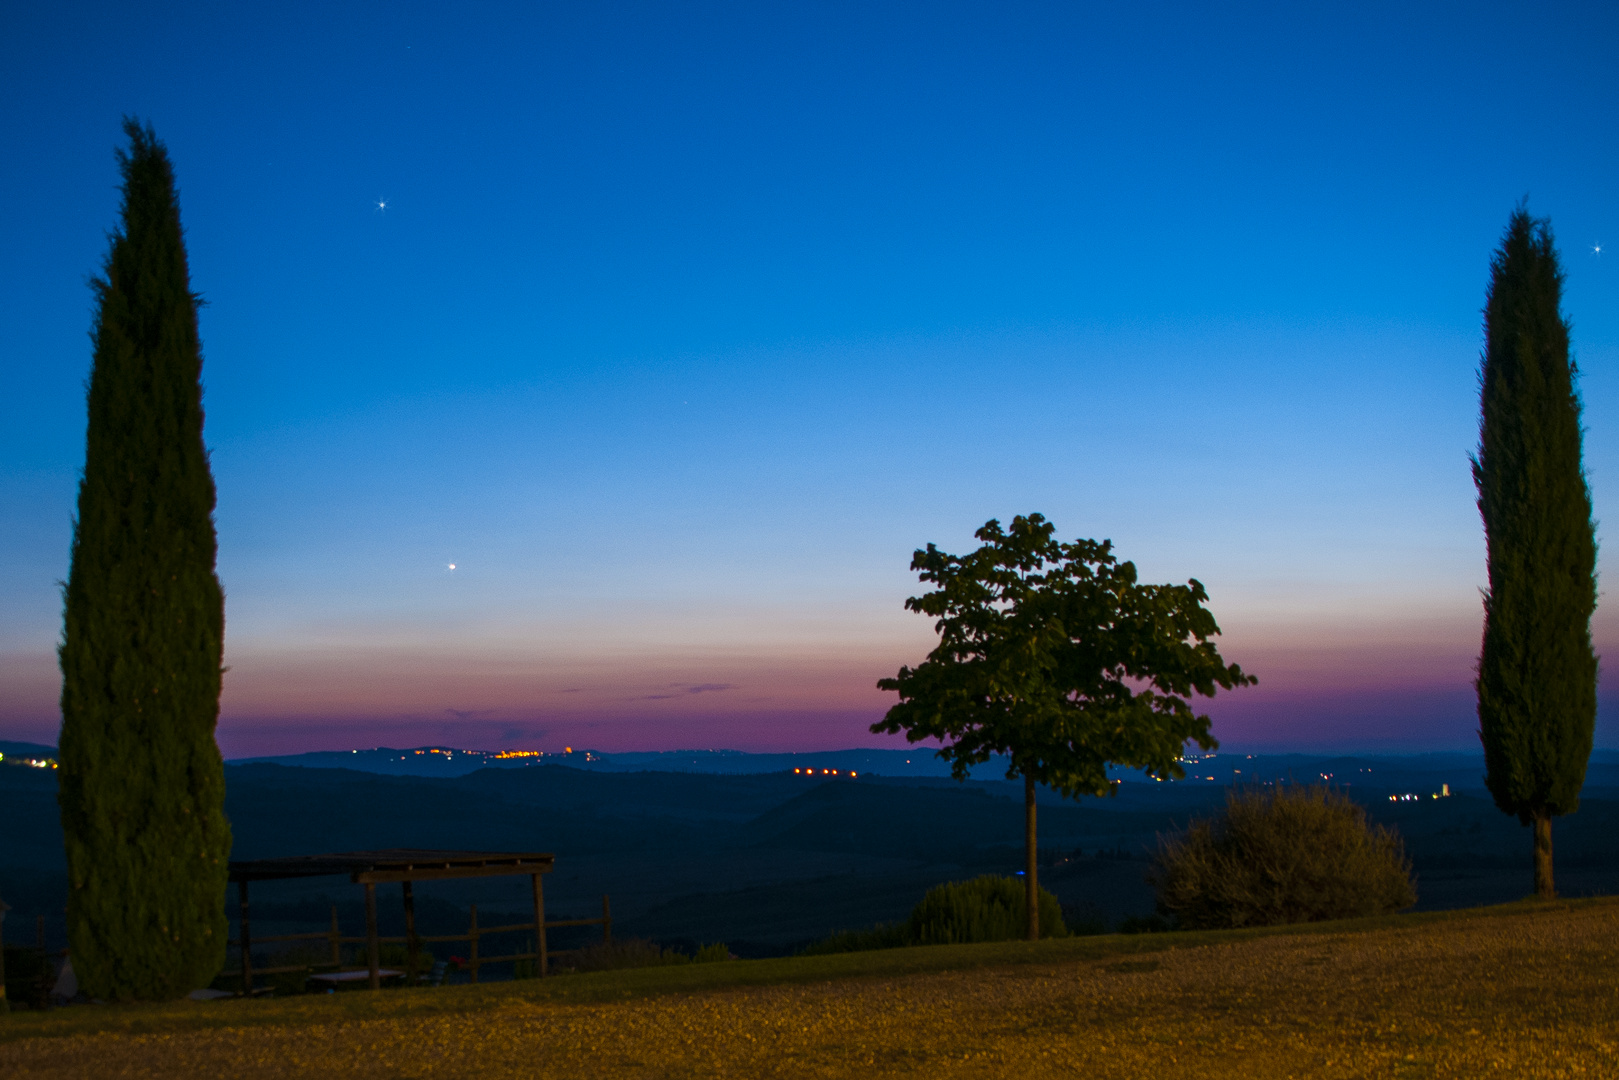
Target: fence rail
x,y
336,939
44,978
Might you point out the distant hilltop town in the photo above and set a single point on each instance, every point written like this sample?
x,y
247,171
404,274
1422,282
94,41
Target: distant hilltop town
x,y
35,762
428,760
29,755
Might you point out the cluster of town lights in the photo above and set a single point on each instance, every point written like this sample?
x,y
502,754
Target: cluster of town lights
x,y
823,772
1442,793
503,755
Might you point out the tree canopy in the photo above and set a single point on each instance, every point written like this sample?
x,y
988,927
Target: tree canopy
x,y
1537,672
142,785
1055,655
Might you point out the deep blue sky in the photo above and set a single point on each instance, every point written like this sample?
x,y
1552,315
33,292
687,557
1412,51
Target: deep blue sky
x,y
682,325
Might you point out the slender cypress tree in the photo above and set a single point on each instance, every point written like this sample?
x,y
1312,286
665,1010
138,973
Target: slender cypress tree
x,y
1537,673
141,782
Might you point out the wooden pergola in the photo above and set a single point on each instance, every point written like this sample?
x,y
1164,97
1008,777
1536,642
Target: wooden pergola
x,y
404,865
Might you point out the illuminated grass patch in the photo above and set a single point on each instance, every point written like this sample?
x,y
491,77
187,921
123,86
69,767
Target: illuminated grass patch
x,y
1519,991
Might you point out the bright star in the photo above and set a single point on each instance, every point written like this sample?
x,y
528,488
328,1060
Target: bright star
x,y
452,566
1596,249
382,205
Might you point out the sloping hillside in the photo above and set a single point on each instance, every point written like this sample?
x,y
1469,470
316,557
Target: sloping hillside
x,y
1527,992
767,862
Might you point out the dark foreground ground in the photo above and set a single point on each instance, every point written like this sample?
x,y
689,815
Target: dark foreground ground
x,y
766,863
1527,992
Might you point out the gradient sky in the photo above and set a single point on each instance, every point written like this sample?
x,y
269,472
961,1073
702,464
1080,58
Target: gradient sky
x,y
684,324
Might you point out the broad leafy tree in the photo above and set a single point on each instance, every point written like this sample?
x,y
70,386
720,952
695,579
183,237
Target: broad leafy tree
x,y
1537,673
142,786
1054,655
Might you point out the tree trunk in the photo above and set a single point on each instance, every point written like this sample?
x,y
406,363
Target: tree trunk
x,y
1544,888
1030,870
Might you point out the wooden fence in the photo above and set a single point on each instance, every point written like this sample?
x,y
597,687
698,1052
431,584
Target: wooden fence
x,y
413,942
45,979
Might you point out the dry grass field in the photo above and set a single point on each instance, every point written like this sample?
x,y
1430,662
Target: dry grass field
x,y
1523,991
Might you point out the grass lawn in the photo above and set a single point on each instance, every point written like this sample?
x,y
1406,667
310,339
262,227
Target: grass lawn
x,y
1526,990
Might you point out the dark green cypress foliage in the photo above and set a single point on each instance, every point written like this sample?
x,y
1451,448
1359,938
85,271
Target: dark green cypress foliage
x,y
1537,674
142,785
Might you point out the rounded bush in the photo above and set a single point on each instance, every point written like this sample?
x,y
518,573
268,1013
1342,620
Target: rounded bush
x,y
1283,855
712,954
987,908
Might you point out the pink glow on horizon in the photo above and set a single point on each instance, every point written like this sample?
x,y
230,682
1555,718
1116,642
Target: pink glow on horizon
x,y
1402,688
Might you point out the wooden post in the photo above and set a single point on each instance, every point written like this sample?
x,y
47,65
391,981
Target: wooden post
x,y
539,923
44,981
246,937
337,940
1031,861
607,922
5,1006
412,946
472,936
372,946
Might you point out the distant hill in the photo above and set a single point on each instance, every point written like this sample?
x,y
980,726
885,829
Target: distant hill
x,y
447,761
1415,771
25,750
765,860
442,761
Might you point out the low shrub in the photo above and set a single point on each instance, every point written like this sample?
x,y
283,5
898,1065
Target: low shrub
x,y
1281,855
881,936
716,953
623,953
526,969
987,908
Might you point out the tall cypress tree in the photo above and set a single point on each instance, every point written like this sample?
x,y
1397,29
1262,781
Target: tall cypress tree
x,y
1537,674
142,785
